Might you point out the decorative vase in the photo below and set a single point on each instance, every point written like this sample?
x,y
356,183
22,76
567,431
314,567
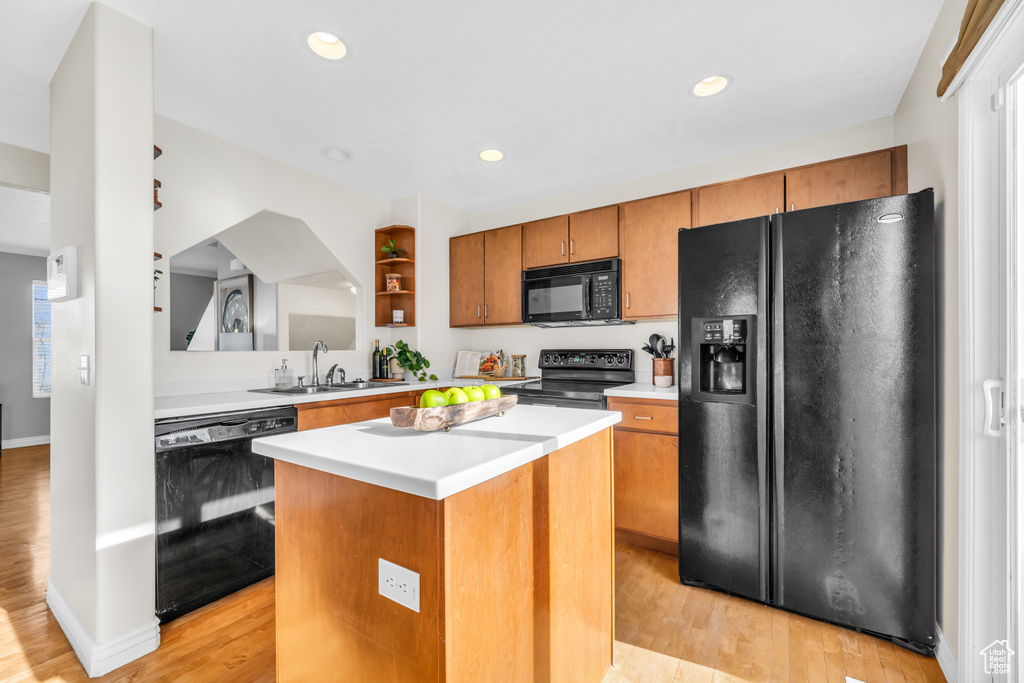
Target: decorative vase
x,y
397,371
393,254
664,372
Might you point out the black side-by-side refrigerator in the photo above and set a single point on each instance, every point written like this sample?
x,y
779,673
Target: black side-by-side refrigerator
x,y
808,413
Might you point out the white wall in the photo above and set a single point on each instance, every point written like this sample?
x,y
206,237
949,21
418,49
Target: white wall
x,y
102,480
435,222
853,140
929,128
25,168
210,185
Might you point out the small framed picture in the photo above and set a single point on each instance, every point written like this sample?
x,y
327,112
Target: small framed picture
x,y
234,311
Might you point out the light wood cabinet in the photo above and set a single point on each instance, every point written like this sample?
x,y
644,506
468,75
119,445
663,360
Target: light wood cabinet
x,y
546,242
739,199
850,179
466,280
503,256
584,236
594,234
348,410
647,473
486,278
650,254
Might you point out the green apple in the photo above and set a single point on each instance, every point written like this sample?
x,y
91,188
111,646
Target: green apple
x,y
432,398
456,396
474,393
490,391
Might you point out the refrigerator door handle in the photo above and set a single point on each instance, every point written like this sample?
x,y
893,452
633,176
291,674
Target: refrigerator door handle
x,y
993,390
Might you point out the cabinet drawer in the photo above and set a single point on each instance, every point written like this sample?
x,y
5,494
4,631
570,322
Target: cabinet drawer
x,y
646,415
347,411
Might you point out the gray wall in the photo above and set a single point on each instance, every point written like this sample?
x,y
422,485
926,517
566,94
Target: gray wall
x,y
23,416
190,295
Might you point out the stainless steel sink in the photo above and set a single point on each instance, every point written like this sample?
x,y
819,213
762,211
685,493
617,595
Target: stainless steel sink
x,y
324,388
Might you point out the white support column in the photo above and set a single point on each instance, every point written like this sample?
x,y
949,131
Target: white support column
x,y
101,586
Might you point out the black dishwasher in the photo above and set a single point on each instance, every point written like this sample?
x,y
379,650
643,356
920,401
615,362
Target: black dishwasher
x,y
214,506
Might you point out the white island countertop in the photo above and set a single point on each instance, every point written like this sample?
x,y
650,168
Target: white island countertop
x,y
437,464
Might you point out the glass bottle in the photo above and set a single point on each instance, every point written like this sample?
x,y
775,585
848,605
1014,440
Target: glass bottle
x,y
375,361
385,366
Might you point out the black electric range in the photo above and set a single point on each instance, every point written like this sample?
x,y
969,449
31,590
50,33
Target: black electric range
x,y
577,378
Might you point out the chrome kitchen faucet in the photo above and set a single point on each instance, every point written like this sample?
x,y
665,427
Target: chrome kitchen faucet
x,y
316,374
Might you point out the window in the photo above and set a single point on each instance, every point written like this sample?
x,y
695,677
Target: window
x,y
40,340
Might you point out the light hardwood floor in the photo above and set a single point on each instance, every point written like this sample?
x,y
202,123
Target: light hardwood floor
x,y
664,631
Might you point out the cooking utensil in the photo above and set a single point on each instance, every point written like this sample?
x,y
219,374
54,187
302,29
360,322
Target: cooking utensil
x,y
660,348
647,348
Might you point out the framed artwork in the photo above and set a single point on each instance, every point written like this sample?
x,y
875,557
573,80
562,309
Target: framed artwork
x,y
233,297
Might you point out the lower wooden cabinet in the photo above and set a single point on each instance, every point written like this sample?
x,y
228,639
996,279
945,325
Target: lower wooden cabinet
x,y
349,410
647,473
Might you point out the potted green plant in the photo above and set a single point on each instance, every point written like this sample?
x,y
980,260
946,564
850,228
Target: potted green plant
x,y
392,250
409,359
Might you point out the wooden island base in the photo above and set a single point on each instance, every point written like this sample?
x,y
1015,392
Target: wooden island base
x,y
516,575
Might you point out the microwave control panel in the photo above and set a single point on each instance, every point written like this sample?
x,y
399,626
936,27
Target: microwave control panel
x,y
605,291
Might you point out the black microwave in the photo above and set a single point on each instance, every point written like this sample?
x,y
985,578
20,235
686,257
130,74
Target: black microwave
x,y
574,295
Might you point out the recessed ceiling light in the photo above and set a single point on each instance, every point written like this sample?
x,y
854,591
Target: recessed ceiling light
x,y
712,85
327,45
336,154
353,289
491,155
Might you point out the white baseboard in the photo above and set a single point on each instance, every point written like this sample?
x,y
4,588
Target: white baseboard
x,y
944,654
100,659
27,441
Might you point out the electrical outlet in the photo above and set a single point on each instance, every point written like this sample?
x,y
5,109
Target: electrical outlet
x,y
399,584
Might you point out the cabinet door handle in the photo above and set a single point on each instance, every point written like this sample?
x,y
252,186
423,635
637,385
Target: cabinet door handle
x,y
627,299
572,247
478,310
776,209
563,247
642,417
485,310
792,207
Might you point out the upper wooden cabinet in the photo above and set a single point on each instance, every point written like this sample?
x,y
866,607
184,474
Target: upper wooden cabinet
x,y
594,234
650,254
503,256
466,280
486,283
850,179
546,242
739,199
583,236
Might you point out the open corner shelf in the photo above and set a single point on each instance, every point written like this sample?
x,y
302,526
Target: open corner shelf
x,y
404,299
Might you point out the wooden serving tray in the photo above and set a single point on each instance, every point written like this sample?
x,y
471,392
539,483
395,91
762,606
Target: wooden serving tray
x,y
497,379
446,417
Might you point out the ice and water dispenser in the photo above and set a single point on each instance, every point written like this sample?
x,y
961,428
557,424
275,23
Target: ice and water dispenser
x,y
723,363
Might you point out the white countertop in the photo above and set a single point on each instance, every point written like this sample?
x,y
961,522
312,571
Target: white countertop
x,y
228,401
437,464
644,391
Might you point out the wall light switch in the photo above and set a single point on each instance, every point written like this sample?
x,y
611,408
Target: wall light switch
x,y
83,367
399,584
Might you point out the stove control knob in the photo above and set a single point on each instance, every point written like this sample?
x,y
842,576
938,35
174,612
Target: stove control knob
x,y
591,359
546,359
556,359
620,359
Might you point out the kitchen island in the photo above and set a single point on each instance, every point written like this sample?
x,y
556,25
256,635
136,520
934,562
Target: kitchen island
x,y
507,522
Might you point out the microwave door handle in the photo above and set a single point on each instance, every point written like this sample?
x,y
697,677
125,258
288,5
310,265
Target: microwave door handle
x,y
586,297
